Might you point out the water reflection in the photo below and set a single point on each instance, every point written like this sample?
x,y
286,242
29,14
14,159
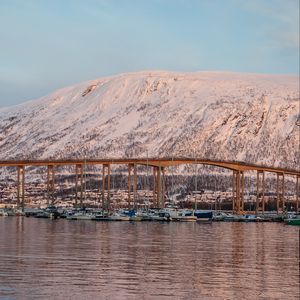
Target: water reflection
x,y
83,259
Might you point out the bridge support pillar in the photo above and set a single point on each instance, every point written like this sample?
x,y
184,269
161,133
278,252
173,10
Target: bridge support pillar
x,y
260,190
243,192
238,192
163,187
18,186
283,193
277,193
76,185
134,187
297,193
105,204
50,184
21,187
129,185
159,187
79,171
238,186
103,187
108,187
280,192
233,191
81,186
154,202
263,192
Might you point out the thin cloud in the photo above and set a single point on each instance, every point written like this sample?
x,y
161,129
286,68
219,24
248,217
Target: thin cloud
x,y
284,14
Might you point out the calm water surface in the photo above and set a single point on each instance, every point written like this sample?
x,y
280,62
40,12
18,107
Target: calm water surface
x,y
61,259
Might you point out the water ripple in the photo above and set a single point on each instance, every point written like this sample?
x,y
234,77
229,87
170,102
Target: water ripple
x,y
43,259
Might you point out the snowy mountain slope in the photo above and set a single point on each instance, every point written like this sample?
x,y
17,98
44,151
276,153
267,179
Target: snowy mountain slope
x,y
246,117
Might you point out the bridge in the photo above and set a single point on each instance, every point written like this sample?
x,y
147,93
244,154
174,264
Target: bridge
x,y
159,164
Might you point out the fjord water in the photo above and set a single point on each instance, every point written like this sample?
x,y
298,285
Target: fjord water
x,y
61,259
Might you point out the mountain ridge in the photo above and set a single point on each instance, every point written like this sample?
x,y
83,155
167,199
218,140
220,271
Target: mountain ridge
x,y
218,115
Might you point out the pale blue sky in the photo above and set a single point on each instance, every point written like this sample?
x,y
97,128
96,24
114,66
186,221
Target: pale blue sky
x,y
46,45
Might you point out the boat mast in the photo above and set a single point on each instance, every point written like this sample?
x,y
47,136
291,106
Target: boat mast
x,y
216,192
147,184
172,180
84,179
195,179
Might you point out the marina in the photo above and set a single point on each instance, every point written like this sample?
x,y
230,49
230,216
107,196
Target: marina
x,y
168,214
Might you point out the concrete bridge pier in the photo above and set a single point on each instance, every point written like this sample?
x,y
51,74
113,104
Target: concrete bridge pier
x,y
154,202
78,172
159,187
134,186
238,189
163,187
260,190
108,186
50,184
21,187
297,193
158,199
233,191
243,191
280,203
129,185
106,204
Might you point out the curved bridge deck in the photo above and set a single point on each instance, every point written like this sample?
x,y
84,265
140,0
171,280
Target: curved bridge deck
x,y
154,162
158,165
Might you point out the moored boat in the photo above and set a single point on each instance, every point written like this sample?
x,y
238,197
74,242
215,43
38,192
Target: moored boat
x,y
100,217
81,214
42,215
161,217
203,216
3,213
118,217
292,221
219,216
184,216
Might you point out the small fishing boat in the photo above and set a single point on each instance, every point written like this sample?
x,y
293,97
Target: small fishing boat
x,y
293,220
248,218
219,216
101,216
161,217
130,215
3,213
66,213
146,216
82,214
118,217
231,218
184,216
42,215
50,212
203,216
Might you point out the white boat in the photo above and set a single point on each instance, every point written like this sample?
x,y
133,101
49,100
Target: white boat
x,y
231,218
3,213
181,215
183,218
136,218
118,217
80,216
161,216
145,215
219,216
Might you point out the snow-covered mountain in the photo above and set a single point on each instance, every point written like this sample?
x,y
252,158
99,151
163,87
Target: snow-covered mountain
x,y
219,115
